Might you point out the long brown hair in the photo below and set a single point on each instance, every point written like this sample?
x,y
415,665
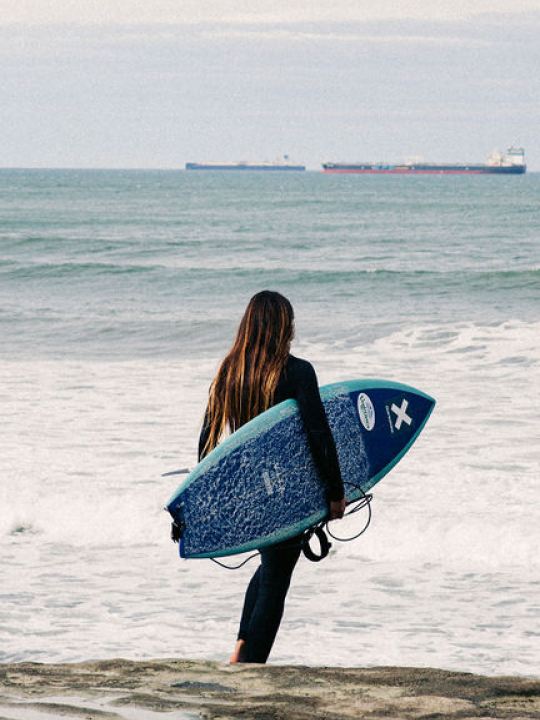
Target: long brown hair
x,y
248,376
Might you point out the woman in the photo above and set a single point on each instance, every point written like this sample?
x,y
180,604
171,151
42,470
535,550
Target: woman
x,y
259,372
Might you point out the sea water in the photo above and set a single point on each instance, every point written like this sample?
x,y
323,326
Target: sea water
x,y
120,291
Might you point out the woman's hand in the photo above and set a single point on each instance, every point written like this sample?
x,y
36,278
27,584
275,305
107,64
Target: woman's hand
x,y
337,509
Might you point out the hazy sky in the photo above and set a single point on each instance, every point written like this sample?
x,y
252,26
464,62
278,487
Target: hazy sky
x,y
105,83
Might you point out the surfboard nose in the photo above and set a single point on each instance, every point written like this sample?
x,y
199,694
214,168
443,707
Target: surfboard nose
x,y
391,416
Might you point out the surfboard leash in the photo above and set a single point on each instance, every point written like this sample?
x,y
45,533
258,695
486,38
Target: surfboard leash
x,y
363,501
234,567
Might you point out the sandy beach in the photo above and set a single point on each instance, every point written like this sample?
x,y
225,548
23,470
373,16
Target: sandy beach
x,y
184,690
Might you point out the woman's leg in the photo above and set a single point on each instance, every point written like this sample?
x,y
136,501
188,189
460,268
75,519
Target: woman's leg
x,y
265,613
249,603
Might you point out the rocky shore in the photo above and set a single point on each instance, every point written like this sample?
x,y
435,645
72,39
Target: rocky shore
x,y
186,690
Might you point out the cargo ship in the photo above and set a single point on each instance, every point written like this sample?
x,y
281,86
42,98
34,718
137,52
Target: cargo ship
x,y
510,163
283,164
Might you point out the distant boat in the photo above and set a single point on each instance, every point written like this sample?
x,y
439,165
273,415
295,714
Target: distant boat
x,y
283,164
511,163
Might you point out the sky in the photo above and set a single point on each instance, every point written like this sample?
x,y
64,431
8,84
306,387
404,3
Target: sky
x,y
126,83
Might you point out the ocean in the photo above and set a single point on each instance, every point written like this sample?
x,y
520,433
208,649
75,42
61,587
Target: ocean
x,y
120,291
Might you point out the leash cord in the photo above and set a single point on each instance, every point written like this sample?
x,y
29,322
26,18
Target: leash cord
x,y
363,501
234,567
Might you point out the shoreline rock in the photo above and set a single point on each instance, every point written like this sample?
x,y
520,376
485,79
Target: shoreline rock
x,y
186,690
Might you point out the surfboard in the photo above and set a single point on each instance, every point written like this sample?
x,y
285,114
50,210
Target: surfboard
x,y
261,485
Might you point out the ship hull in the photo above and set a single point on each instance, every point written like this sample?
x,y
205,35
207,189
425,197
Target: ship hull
x,y
342,169
244,167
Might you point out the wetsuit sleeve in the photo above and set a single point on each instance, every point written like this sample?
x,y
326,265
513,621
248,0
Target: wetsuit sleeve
x,y
318,431
203,437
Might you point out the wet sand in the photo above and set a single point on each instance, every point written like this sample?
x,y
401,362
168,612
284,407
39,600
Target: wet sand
x,y
185,690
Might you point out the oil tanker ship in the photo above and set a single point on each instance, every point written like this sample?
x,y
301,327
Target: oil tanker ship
x,y
510,163
245,165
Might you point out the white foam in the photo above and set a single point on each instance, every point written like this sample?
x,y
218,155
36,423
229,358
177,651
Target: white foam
x,y
83,533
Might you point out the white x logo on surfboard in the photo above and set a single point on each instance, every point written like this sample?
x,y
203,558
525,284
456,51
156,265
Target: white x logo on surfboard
x,y
401,414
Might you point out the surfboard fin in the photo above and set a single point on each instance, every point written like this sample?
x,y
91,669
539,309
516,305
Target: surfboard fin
x,y
177,530
180,471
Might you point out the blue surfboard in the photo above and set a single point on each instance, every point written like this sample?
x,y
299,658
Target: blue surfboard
x,y
261,486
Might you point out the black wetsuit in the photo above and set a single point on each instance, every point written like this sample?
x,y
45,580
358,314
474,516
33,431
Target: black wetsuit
x,y
266,592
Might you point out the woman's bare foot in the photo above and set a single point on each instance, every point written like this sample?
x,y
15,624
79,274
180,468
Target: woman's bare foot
x,y
236,656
